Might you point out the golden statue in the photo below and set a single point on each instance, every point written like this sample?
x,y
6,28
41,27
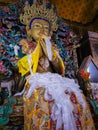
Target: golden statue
x,y
39,24
51,101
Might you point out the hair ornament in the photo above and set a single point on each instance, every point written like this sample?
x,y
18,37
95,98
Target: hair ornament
x,y
39,11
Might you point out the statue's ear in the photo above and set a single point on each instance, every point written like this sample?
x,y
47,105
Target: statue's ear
x,y
29,36
50,33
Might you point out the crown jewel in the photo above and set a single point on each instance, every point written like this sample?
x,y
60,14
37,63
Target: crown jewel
x,y
39,11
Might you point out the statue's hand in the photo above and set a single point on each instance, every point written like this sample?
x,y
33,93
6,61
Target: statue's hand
x,y
47,47
43,47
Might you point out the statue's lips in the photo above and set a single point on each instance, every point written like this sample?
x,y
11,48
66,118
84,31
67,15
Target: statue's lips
x,y
41,33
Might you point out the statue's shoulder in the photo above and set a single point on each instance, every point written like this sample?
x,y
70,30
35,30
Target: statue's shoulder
x,y
23,41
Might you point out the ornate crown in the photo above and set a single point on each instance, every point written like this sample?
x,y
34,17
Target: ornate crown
x,y
39,11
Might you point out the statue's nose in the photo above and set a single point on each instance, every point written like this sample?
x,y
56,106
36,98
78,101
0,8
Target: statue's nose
x,y
42,30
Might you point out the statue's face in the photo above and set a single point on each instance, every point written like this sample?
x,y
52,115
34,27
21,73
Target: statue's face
x,y
39,28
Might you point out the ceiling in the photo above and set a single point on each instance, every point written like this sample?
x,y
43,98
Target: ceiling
x,y
81,11
82,15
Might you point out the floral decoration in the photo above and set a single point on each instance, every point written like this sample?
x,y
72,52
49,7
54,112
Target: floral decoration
x,y
85,75
2,67
2,70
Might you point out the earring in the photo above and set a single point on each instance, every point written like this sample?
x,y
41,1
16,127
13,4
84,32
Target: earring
x,y
29,37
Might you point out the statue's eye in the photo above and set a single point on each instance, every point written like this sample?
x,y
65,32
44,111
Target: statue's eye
x,y
37,25
46,27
